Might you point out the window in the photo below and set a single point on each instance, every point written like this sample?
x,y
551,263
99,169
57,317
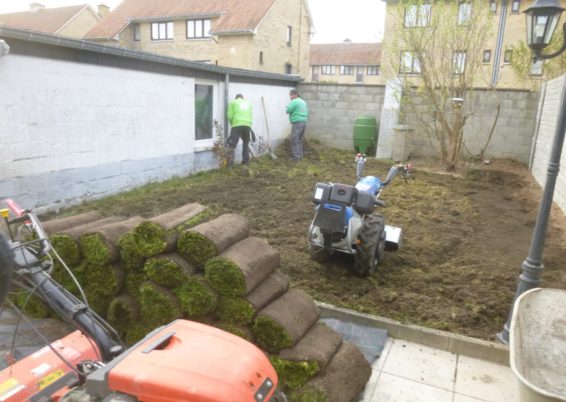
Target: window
x,y
417,16
137,32
289,35
373,70
507,56
327,70
493,6
161,30
204,98
409,63
198,29
260,57
346,70
536,68
464,13
515,6
459,60
288,68
486,56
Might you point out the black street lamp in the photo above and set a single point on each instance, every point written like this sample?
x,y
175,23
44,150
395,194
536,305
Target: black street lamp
x,y
542,19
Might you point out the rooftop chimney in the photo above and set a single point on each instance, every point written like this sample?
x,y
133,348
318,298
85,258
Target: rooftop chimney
x,y
103,10
35,7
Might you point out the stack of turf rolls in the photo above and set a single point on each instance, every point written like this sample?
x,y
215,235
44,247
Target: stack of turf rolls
x,y
141,273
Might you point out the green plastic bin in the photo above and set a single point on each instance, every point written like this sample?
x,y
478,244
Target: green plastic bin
x,y
365,134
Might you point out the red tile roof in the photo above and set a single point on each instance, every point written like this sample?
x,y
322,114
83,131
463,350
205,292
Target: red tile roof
x,y
48,20
345,54
235,15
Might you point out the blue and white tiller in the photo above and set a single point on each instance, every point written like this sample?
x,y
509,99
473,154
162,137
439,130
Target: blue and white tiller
x,y
345,219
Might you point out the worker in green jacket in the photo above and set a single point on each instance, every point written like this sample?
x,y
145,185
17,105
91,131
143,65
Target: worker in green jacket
x,y
298,115
240,118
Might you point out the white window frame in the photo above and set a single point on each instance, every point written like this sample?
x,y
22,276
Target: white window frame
x,y
409,63
507,56
464,13
417,15
483,59
346,70
289,35
537,68
515,6
162,31
459,61
198,29
206,143
328,69
372,70
493,6
136,28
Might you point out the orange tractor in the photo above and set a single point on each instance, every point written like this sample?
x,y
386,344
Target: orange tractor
x,y
182,361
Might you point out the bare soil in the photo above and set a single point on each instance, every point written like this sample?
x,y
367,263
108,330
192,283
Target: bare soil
x,y
465,234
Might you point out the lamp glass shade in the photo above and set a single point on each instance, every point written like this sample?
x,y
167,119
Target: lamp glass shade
x,y
542,19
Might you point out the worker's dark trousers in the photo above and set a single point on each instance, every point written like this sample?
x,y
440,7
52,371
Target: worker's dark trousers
x,y
236,133
297,133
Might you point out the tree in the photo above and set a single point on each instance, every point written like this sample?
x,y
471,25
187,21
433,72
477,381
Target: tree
x,y
437,51
531,73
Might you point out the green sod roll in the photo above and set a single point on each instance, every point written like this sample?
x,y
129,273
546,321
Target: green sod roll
x,y
62,276
208,239
243,266
308,394
100,246
123,313
169,270
158,306
177,220
105,281
196,297
32,305
294,375
235,310
66,247
150,239
280,325
319,345
270,289
225,276
271,335
133,281
97,301
135,333
66,241
239,330
61,224
130,255
345,376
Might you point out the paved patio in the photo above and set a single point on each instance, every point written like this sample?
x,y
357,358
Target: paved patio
x,y
410,372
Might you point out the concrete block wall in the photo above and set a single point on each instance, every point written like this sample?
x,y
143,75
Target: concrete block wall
x,y
549,108
513,133
334,108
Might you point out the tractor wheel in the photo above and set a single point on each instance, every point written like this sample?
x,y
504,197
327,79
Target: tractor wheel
x,y
372,244
318,253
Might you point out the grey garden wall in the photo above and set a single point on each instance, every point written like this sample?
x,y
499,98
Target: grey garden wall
x,y
334,108
514,128
547,119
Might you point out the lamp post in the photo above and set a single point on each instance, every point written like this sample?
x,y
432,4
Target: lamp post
x,y
542,19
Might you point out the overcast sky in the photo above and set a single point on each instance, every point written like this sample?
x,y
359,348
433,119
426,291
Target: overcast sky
x,y
334,20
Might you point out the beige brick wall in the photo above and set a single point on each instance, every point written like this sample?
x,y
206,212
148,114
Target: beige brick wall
x,y
515,31
80,24
239,51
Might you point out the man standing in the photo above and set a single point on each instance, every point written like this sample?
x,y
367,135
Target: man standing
x,y
298,115
240,118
